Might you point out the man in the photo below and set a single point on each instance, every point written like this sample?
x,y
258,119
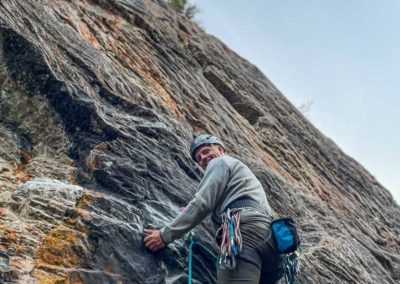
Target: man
x,y
228,183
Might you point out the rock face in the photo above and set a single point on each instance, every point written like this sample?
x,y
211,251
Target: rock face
x,y
99,100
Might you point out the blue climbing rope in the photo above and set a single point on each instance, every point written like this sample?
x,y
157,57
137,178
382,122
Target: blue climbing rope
x,y
190,256
190,259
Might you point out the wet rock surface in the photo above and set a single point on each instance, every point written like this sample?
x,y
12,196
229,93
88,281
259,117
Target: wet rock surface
x,y
98,102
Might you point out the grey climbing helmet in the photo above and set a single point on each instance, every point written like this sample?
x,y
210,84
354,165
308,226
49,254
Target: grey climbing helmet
x,y
203,139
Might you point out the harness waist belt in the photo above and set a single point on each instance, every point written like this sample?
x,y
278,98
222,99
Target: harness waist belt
x,y
245,202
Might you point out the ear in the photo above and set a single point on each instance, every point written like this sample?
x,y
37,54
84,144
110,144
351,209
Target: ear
x,y
221,149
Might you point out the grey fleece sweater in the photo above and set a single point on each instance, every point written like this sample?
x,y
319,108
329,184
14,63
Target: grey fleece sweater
x,y
225,180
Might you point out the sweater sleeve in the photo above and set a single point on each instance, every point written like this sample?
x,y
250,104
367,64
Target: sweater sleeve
x,y
210,190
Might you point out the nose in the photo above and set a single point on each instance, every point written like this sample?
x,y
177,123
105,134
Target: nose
x,y
203,158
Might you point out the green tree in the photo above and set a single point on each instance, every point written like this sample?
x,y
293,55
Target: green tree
x,y
184,7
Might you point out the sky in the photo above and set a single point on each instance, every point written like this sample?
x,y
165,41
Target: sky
x,y
339,57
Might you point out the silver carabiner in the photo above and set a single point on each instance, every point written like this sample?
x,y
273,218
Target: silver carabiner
x,y
231,262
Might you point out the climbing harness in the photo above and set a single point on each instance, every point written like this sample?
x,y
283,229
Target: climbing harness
x,y
291,267
193,242
231,244
230,237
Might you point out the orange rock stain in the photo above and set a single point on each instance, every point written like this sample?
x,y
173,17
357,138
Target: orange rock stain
x,y
60,248
88,35
150,73
64,248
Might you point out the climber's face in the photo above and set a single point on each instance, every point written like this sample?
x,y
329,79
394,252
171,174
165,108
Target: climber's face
x,y
206,153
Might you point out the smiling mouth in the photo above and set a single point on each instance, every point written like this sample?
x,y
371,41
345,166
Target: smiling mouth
x,y
209,159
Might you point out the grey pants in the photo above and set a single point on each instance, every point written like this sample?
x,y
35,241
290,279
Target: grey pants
x,y
260,263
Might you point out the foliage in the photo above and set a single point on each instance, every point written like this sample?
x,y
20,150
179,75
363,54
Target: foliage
x,y
184,7
305,108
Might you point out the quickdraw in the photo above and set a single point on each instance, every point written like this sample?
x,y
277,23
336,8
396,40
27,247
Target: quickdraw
x,y
291,267
231,239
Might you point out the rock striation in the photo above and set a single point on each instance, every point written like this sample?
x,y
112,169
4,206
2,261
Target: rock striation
x,y
98,102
